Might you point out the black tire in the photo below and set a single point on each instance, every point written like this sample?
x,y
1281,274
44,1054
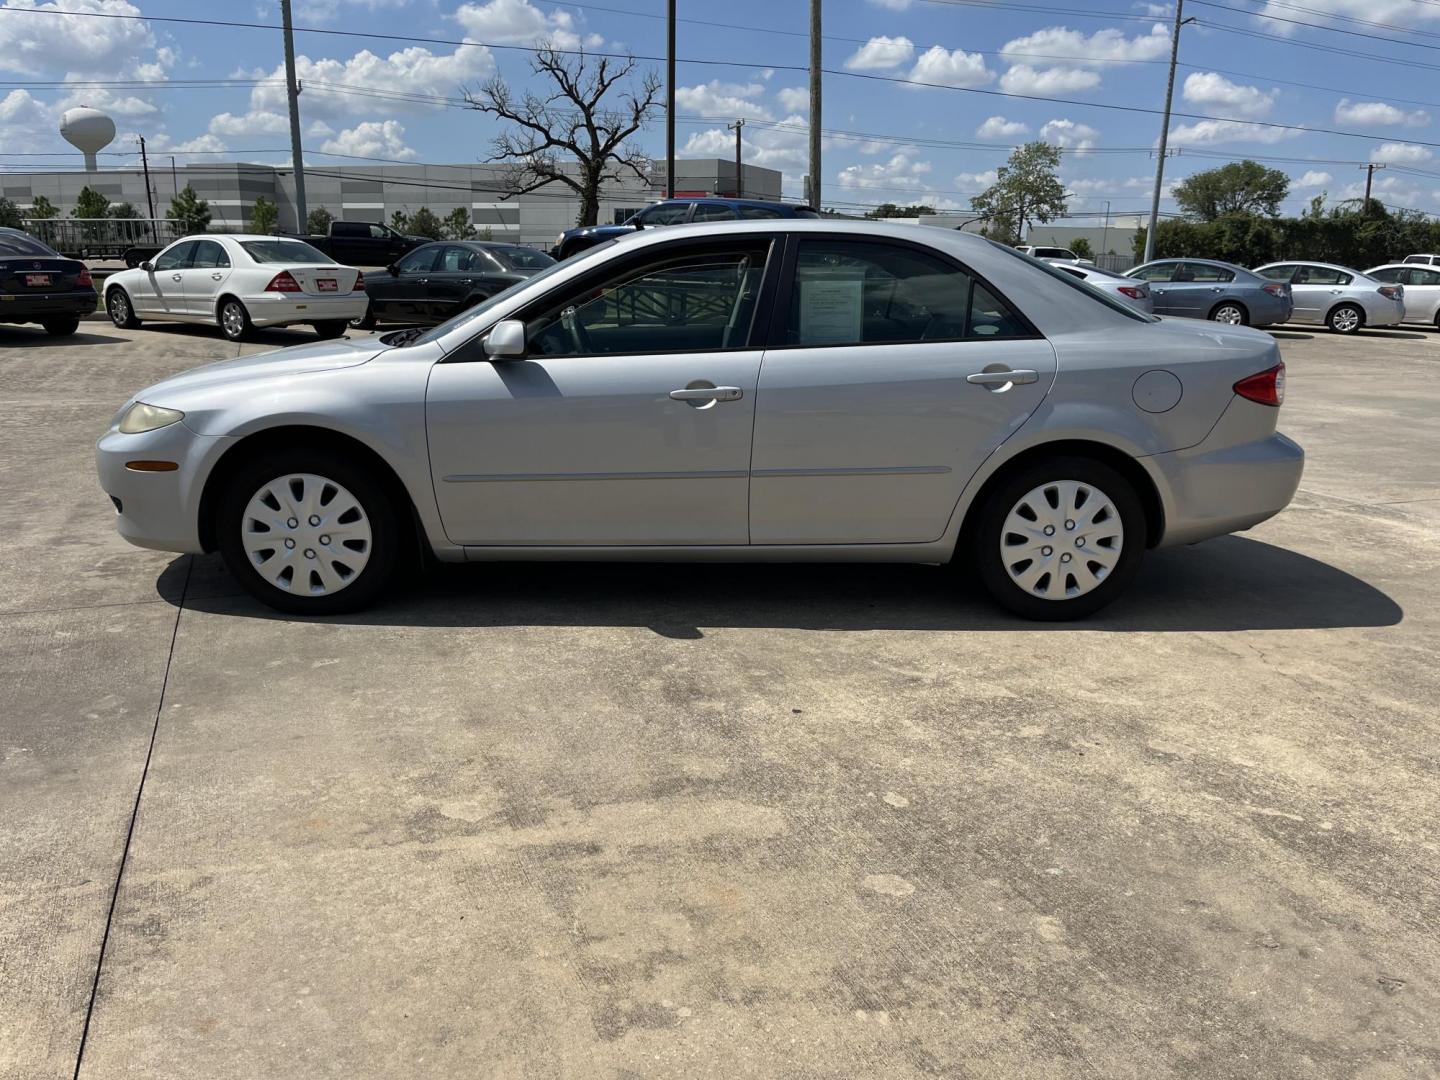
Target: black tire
x,y
987,538
234,320
62,327
366,321
1339,324
1223,306
379,510
120,309
331,328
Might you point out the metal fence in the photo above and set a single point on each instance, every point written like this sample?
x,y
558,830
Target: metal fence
x,y
1116,264
102,238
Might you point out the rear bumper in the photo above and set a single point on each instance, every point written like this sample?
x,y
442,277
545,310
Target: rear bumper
x,y
279,309
1221,486
1387,313
1268,310
16,308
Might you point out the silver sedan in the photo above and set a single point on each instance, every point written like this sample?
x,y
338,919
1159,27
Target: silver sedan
x,y
1129,290
1343,299
757,390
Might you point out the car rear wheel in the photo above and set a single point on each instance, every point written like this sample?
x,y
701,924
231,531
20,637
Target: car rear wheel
x,y
1345,319
234,319
309,532
61,327
1060,539
1228,311
331,328
120,310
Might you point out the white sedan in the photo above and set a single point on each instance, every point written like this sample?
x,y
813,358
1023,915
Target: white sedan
x,y
1422,288
237,282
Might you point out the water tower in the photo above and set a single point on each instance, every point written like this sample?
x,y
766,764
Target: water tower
x,y
89,131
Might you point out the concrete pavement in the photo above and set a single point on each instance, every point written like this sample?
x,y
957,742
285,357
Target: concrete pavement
x,y
613,821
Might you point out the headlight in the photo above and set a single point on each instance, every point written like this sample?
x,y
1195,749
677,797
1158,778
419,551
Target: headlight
x,y
141,417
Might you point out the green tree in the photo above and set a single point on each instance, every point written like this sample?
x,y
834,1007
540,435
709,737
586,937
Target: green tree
x,y
1081,247
400,221
264,215
1027,188
890,210
457,225
191,212
90,204
9,214
1241,187
424,223
41,207
317,222
123,211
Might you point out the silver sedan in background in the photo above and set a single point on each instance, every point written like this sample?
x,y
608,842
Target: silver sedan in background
x,y
1343,299
1219,291
1132,292
768,390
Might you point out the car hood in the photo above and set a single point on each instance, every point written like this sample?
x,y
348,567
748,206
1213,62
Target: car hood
x,y
296,360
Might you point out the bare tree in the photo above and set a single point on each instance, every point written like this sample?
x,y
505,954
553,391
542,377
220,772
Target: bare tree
x,y
573,122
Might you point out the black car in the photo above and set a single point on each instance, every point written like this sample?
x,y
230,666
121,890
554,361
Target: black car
x,y
676,211
38,285
433,282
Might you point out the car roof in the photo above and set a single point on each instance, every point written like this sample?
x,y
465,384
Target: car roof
x,y
1311,262
1201,262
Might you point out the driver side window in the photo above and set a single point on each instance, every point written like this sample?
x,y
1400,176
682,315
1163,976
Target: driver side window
x,y
177,257
419,261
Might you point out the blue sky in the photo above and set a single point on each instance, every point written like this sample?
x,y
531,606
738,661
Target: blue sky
x,y
885,140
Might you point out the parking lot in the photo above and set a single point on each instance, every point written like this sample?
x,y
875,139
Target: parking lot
x,y
645,821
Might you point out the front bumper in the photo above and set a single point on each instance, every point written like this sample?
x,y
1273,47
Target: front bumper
x,y
158,510
20,308
281,309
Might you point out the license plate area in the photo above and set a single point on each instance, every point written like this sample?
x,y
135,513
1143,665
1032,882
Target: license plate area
x,y
37,281
327,284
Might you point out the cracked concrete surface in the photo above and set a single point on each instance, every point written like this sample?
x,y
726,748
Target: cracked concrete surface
x,y
611,821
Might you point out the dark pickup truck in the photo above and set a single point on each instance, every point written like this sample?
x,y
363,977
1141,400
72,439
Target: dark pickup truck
x,y
364,243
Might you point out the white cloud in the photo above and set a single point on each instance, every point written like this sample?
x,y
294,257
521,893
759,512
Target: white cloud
x,y
785,146
997,127
252,123
794,99
373,138
723,99
18,107
309,12
1043,82
1399,153
1208,89
1070,135
1098,48
1402,12
892,5
1377,114
1312,179
1207,132
901,171
880,53
517,22
76,42
975,181
942,67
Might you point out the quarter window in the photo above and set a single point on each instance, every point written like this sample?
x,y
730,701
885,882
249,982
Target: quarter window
x,y
696,303
1425,277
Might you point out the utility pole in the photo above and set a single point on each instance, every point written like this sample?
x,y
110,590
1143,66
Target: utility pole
x,y
1369,177
737,127
815,61
1164,131
1105,233
174,177
292,90
670,106
149,195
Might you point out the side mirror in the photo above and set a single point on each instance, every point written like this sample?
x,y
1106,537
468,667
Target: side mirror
x,y
506,340
148,266
394,270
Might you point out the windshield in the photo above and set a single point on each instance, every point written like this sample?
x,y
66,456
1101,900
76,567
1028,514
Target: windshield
x,y
1075,283
284,251
522,258
479,311
20,244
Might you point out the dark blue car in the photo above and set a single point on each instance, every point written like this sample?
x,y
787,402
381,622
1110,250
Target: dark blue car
x,y
676,212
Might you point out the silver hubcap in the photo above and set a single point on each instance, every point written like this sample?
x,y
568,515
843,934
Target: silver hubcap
x,y
119,309
1061,540
233,319
1228,314
306,534
1345,320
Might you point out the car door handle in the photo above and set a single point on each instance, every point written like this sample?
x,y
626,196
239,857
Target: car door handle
x,y
174,277
216,277
708,393
422,281
467,281
1019,377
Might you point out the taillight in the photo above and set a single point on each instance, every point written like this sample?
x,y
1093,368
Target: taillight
x,y
283,282
1266,387
1132,293
1392,292
1276,289
359,281
84,278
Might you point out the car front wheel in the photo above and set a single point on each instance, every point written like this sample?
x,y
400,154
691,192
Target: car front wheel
x,y
309,532
1060,539
121,311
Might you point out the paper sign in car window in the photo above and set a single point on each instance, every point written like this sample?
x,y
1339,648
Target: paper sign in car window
x,y
831,310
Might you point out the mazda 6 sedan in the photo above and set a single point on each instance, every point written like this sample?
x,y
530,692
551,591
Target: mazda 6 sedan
x,y
768,390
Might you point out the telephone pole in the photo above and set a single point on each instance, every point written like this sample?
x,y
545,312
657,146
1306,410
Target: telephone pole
x,y
149,195
737,127
1164,132
670,106
815,61
1369,178
292,91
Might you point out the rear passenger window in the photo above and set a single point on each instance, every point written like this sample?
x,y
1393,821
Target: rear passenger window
x,y
1321,275
756,212
849,293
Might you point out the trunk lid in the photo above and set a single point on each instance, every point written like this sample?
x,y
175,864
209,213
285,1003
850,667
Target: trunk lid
x,y
315,279
24,274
